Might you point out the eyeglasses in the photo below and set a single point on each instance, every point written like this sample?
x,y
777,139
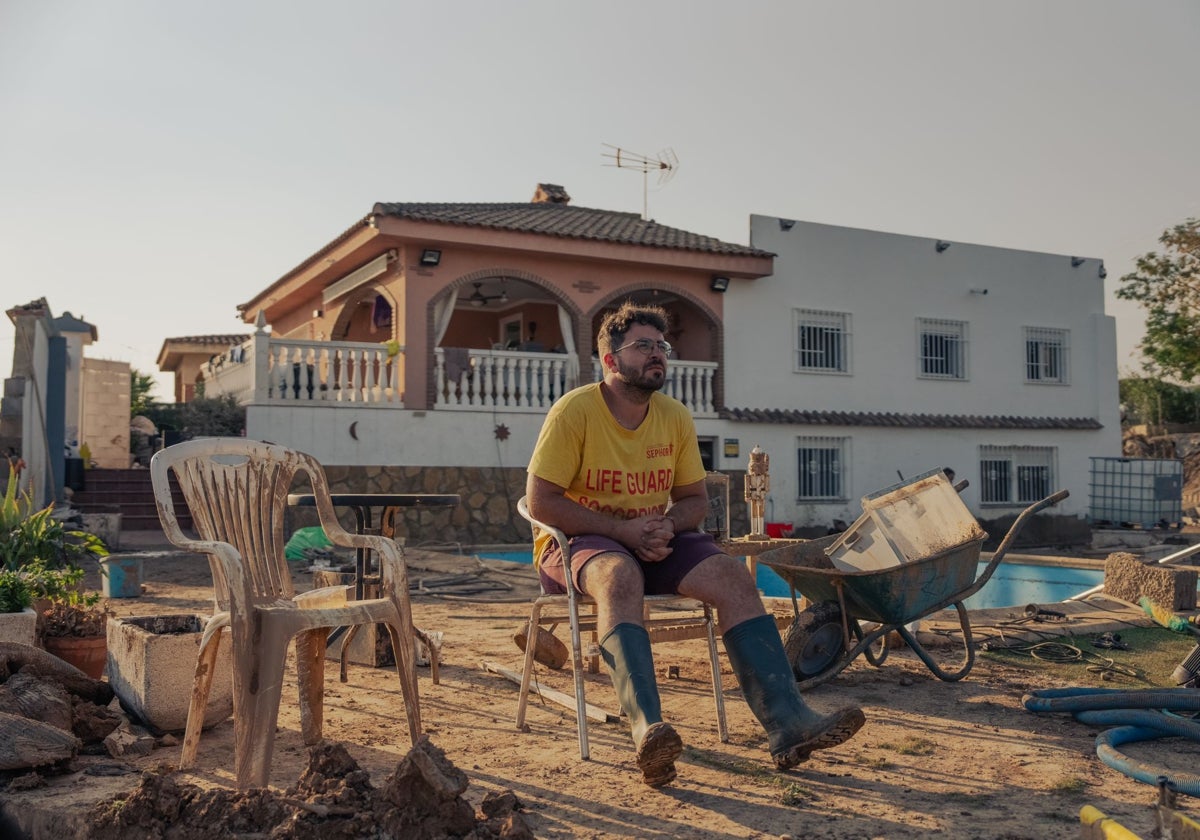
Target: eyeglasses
x,y
645,346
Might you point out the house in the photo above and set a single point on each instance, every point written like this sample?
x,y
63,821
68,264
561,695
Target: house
x,y
183,357
869,357
420,349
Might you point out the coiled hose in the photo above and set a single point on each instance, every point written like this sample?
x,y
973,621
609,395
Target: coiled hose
x,y
1139,715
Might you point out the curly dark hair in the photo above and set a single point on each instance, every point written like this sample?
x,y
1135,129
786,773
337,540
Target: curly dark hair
x,y
617,323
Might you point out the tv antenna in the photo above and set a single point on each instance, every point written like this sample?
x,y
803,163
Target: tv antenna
x,y
665,165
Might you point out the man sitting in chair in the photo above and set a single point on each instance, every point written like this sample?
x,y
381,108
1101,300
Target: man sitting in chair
x,y
617,468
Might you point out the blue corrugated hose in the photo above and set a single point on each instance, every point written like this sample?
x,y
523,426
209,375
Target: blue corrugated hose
x,y
1139,715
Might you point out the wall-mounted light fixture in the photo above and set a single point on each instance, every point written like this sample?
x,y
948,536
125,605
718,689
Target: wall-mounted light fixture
x,y
787,224
941,245
431,256
719,284
1103,272
1076,262
318,313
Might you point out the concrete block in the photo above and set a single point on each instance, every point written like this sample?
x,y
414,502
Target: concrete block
x,y
1128,577
151,665
106,526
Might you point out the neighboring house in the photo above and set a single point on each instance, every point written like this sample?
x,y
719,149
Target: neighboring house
x,y
187,355
434,337
868,356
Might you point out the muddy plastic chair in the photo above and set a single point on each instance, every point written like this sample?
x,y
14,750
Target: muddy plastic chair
x,y
236,491
672,628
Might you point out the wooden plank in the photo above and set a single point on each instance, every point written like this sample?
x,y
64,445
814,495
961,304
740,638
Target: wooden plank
x,y
593,712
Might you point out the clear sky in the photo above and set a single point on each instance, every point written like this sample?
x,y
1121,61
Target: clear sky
x,y
160,162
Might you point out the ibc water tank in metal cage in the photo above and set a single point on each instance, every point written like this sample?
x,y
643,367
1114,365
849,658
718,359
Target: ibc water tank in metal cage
x,y
1147,492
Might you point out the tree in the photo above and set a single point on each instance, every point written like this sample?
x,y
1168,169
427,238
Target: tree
x,y
1145,400
140,386
1167,285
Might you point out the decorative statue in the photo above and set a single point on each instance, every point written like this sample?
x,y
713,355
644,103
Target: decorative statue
x,y
758,484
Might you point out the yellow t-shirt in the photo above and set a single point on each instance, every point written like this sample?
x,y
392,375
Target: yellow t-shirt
x,y
608,468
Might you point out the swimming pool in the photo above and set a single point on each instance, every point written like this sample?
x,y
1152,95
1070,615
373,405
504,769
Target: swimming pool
x,y
1012,584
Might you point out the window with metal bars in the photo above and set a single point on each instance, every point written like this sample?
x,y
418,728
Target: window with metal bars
x,y
1016,474
941,349
821,463
1046,356
822,341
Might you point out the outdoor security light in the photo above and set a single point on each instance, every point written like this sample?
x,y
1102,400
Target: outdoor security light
x,y
720,284
431,256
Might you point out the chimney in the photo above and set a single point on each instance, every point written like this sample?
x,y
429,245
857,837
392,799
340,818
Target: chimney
x,y
551,194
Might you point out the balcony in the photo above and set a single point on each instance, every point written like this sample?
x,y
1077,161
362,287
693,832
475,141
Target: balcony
x,y
276,371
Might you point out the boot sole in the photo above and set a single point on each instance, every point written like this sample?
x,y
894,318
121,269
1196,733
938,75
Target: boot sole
x,y
656,755
848,722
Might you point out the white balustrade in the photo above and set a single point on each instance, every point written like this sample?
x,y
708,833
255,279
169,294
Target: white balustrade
x,y
276,370
474,380
689,382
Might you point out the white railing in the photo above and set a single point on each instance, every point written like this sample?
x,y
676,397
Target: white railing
x,y
513,380
278,370
267,370
689,382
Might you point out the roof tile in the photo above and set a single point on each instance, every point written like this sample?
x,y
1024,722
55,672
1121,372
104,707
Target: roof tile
x,y
567,221
901,420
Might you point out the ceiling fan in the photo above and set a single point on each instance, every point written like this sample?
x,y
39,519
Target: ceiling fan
x,y
478,298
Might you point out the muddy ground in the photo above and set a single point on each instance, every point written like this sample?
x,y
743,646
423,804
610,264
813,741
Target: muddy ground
x,y
960,760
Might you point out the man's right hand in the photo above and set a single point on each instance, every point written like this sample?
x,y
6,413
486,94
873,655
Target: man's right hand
x,y
649,537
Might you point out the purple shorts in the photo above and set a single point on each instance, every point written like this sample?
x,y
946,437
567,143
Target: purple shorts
x,y
688,550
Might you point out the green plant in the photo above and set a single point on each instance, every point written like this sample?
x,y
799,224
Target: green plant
x,y
15,594
28,535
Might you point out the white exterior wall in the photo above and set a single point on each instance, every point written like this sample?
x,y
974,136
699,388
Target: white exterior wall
x,y
388,436
885,282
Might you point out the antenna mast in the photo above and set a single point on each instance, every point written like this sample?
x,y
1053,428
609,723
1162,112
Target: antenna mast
x,y
665,165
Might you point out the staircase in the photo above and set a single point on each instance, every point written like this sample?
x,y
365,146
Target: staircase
x,y
129,493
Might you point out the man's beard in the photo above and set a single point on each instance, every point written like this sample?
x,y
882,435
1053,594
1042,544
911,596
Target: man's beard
x,y
637,379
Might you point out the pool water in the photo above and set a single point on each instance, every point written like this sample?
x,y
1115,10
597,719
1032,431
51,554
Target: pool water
x,y
1012,584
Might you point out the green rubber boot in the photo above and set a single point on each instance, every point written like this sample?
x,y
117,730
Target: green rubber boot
x,y
793,729
626,651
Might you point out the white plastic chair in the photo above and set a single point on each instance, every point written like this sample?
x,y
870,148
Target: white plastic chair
x,y
572,600
236,491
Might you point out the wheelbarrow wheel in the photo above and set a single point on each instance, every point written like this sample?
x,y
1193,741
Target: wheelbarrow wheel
x,y
814,641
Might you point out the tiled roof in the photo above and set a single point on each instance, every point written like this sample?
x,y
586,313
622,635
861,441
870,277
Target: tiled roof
x,y
567,221
223,340
909,421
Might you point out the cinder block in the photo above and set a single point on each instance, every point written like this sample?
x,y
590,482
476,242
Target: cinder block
x,y
151,666
1128,577
106,526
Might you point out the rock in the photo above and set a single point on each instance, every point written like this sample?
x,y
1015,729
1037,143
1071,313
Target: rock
x,y
26,743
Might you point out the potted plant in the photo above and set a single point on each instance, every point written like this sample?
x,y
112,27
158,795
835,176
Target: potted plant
x,y
18,621
40,553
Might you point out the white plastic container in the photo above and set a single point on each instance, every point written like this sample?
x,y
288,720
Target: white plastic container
x,y
903,523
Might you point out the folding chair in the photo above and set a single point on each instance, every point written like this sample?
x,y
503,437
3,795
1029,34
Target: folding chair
x,y
678,628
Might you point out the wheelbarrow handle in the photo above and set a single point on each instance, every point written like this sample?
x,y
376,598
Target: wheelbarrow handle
x,y
1015,529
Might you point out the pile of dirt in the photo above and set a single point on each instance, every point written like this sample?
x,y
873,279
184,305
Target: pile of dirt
x,y
51,710
333,798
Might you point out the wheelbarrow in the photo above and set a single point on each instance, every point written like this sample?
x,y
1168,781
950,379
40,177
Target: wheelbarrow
x,y
829,634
